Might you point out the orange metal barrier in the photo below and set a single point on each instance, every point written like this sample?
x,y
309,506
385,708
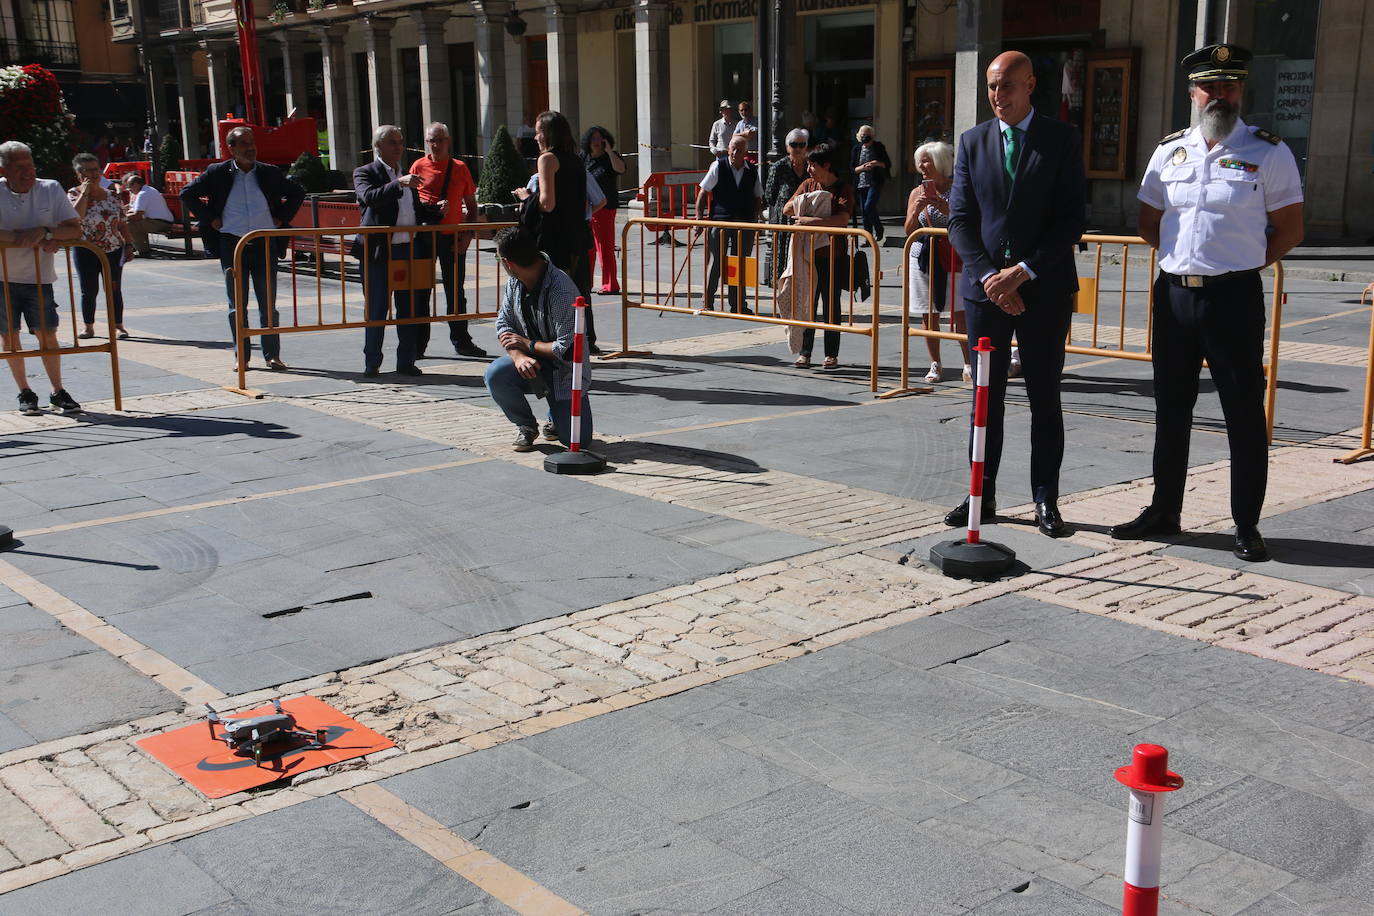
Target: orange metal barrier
x,y
76,347
670,195
1130,342
1367,420
415,273
668,287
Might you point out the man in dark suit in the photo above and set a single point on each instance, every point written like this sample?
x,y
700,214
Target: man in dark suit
x,y
231,199
1016,211
389,196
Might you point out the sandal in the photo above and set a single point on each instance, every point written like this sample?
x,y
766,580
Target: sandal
x,y
121,333
86,335
968,372
830,363
934,375
802,362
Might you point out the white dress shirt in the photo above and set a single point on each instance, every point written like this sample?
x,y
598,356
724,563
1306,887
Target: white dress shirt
x,y
246,209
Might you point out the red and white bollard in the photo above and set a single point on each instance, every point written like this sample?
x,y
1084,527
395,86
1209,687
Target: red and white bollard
x,y
1148,778
575,460
980,436
974,558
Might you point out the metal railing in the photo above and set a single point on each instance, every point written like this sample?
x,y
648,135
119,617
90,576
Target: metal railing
x,y
76,347
667,290
1130,342
310,313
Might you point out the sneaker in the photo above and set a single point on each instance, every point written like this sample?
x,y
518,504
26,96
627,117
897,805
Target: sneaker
x,y
935,374
62,401
968,372
28,403
830,364
802,362
524,441
549,431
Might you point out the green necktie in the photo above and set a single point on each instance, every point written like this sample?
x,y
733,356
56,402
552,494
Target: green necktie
x,y
1010,155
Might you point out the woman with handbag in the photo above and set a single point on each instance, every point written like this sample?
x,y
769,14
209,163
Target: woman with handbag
x,y
831,257
927,273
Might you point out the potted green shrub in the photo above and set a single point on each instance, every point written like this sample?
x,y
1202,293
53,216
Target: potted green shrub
x,y
503,170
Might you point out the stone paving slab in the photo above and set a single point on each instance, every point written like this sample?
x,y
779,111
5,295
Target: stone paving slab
x,y
883,709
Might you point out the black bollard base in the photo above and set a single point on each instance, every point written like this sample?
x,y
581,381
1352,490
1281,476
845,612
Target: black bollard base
x,y
6,538
574,463
962,560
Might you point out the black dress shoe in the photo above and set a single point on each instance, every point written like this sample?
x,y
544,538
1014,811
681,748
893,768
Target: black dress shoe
x,y
1151,522
958,516
411,369
1250,544
468,348
1049,522
371,373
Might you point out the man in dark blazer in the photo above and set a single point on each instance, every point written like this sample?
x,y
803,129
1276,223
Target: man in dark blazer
x,y
232,198
1016,212
389,196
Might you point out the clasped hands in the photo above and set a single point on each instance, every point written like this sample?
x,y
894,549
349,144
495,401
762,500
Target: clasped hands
x,y
1002,288
525,362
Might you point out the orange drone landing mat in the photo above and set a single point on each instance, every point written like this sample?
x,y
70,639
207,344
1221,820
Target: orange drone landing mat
x,y
212,767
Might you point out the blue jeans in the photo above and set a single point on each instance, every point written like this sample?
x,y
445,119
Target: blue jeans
x,y
508,389
263,272
868,201
89,275
408,304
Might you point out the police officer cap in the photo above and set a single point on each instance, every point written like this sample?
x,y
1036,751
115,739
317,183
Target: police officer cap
x,y
1217,62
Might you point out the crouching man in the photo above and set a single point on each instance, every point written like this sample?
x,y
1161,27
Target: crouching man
x,y
535,327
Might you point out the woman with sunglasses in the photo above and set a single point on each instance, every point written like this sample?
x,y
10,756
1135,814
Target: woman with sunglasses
x,y
784,178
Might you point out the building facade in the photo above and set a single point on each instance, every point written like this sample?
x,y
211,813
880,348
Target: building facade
x,y
653,71
102,81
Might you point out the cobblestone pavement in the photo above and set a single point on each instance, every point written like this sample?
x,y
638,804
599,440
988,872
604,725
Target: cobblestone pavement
x,y
82,799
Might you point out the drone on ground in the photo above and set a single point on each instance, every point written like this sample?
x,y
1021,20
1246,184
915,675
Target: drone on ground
x,y
248,737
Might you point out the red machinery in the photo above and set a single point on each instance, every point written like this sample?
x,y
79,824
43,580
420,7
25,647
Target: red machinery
x,y
278,145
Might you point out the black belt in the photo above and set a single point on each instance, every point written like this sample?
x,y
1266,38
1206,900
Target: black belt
x,y
1196,280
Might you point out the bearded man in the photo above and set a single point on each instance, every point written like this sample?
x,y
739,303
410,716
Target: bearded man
x,y
1220,201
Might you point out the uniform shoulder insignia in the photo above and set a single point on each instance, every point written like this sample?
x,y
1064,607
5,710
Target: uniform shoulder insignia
x,y
1173,136
1266,136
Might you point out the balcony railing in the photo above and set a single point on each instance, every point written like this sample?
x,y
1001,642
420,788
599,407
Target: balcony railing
x,y
59,54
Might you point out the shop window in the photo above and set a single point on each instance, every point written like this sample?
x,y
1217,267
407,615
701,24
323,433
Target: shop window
x,y
839,55
1278,95
734,45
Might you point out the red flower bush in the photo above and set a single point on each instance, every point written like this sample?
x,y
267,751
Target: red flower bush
x,y
32,111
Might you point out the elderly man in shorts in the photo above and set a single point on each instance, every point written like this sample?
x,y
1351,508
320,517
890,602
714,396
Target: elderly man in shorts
x,y
35,214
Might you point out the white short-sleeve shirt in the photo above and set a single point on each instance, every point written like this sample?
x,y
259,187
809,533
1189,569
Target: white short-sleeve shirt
x,y
1216,202
152,203
45,204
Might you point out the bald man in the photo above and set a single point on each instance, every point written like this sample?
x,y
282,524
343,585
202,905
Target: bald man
x,y
1015,212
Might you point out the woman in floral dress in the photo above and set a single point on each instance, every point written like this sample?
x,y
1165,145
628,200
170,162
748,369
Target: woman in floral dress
x,y
103,225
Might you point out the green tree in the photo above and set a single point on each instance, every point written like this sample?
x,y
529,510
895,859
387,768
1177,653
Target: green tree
x,y
310,173
502,171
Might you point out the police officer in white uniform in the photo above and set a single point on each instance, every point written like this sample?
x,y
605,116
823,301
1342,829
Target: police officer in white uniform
x,y
1220,201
